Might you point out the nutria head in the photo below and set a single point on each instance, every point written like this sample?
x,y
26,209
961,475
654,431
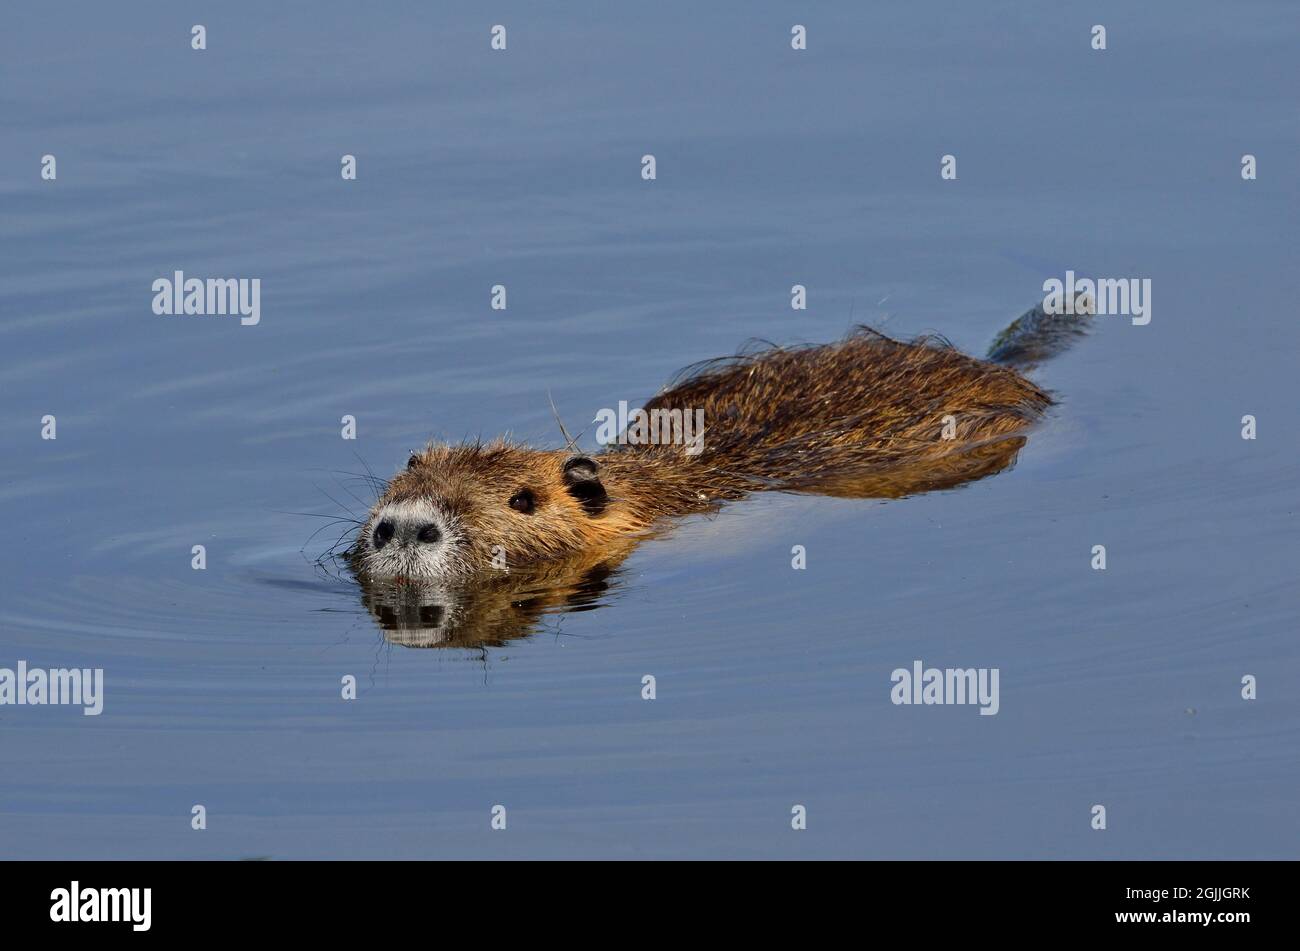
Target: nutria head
x,y
457,510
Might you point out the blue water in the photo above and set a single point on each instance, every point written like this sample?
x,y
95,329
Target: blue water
x,y
477,167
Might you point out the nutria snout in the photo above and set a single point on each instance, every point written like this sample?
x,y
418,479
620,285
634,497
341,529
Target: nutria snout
x,y
867,416
405,531
401,525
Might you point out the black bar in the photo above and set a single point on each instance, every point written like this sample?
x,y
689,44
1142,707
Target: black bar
x,y
1229,900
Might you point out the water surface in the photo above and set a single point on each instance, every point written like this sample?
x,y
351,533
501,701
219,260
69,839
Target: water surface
x,y
1119,687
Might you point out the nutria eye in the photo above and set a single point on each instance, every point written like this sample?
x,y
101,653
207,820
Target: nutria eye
x,y
523,501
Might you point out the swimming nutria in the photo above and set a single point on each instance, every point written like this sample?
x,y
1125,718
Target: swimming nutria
x,y
866,416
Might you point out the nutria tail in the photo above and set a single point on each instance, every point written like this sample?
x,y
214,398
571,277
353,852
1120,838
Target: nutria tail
x,y
1036,336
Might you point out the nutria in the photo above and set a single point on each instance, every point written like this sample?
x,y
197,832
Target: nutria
x,y
868,416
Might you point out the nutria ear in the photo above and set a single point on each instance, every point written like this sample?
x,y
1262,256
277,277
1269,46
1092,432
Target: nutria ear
x,y
581,475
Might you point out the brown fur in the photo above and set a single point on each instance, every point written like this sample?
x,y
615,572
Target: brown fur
x,y
860,417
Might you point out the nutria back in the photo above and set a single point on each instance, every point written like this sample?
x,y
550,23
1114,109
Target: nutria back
x,y
797,419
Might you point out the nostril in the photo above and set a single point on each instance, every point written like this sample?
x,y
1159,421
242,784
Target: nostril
x,y
383,533
429,534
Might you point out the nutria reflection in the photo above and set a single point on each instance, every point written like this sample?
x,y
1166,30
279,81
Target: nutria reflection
x,y
493,609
